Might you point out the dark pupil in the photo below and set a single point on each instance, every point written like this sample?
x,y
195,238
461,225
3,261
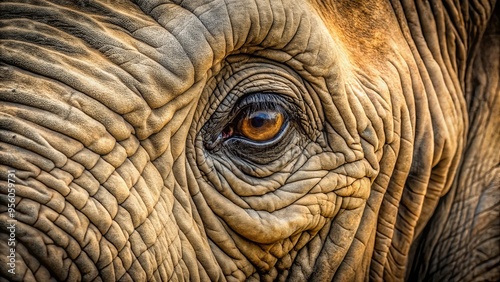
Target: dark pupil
x,y
258,119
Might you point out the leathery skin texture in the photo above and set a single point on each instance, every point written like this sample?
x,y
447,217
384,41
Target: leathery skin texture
x,y
249,140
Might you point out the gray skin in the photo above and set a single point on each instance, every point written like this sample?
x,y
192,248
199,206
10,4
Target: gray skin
x,y
122,123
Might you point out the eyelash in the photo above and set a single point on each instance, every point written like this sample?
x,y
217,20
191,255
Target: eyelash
x,y
258,102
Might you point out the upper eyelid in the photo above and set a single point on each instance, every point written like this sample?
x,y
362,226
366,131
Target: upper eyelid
x,y
258,102
260,107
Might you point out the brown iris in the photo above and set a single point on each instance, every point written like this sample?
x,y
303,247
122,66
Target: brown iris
x,y
261,125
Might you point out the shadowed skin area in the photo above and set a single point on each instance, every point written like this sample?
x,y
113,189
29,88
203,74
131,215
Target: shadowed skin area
x,y
251,140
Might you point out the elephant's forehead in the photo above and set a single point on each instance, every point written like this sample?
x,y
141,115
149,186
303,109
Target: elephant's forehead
x,y
156,55
160,53
158,50
193,37
191,40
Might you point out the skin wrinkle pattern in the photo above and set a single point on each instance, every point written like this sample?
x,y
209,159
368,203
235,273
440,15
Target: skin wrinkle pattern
x,y
238,140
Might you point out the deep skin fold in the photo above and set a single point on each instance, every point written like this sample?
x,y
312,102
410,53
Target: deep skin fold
x,y
114,181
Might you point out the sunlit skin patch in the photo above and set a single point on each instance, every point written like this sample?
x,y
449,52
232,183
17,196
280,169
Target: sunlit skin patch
x,y
260,126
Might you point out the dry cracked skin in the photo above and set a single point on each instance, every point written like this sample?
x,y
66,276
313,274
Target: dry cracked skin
x,y
249,140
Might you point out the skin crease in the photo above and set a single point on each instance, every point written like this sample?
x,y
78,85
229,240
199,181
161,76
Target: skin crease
x,y
112,114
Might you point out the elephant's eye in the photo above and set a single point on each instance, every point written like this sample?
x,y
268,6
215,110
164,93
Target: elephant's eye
x,y
252,126
260,125
256,125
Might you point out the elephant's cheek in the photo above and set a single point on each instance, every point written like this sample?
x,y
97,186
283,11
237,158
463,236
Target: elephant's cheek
x,y
85,216
269,229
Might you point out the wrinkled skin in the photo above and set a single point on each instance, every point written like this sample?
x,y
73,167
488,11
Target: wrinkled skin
x,y
115,117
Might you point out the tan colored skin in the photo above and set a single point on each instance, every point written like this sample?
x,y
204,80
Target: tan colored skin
x,y
390,172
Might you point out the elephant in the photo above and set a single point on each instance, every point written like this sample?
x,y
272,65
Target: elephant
x,y
249,140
